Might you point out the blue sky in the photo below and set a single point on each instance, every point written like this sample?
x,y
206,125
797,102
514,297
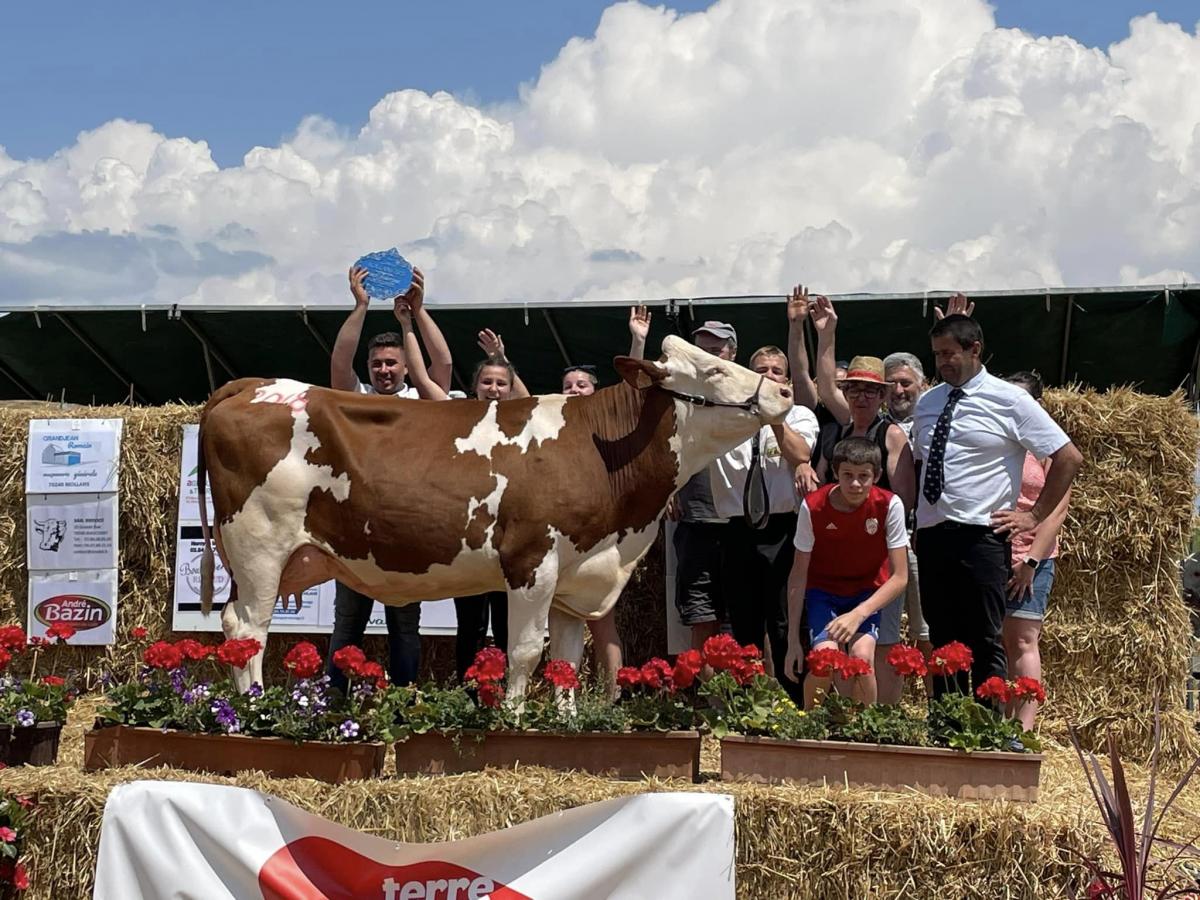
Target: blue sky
x,y
244,74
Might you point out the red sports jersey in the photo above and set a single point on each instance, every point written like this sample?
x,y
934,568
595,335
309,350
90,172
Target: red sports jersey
x,y
850,553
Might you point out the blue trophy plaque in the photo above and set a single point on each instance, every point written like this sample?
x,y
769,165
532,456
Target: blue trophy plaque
x,y
388,274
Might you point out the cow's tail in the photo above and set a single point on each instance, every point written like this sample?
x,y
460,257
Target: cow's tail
x,y
208,562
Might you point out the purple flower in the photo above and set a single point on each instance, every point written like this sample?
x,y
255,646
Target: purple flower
x,y
25,718
197,694
256,691
349,729
226,715
178,680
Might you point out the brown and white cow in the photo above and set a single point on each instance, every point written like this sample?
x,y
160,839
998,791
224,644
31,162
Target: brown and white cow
x,y
552,498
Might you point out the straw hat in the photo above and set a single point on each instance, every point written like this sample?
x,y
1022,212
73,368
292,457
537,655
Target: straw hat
x,y
868,369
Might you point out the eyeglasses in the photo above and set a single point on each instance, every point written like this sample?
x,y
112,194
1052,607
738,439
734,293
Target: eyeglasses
x,y
863,390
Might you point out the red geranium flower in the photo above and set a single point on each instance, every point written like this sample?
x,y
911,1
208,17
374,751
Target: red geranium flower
x,y
908,661
5,659
12,637
994,688
238,653
656,673
952,658
853,667
372,670
721,651
192,649
825,661
7,834
61,631
20,877
687,666
37,642
746,670
491,694
349,659
303,660
561,674
1026,689
54,680
489,665
629,677
137,633
161,655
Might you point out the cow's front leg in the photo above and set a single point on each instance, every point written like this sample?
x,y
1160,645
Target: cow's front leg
x,y
528,610
566,642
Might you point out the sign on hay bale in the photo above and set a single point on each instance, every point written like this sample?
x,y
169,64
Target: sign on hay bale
x,y
1117,631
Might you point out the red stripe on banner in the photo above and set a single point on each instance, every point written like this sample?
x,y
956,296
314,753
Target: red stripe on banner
x,y
316,868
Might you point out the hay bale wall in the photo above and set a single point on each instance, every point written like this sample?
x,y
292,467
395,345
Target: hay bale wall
x,y
1117,633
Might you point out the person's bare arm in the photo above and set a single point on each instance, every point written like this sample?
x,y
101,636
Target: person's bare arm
x,y
824,320
844,627
427,388
639,330
341,360
792,446
1066,462
441,362
797,583
802,383
492,346
902,472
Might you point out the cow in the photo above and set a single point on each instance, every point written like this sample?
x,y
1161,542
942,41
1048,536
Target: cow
x,y
552,498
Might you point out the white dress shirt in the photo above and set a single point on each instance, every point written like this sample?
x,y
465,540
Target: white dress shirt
x,y
993,425
728,472
406,392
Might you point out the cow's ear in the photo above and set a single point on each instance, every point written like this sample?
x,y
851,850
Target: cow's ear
x,y
641,373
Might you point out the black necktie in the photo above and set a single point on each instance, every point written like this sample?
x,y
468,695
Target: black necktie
x,y
937,449
755,503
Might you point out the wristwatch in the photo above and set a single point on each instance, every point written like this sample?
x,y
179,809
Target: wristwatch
x,y
1032,563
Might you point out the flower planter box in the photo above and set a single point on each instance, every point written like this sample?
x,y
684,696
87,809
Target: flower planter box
x,y
36,745
123,745
631,756
931,770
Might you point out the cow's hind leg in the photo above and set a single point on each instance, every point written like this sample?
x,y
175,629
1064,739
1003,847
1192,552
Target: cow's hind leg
x,y
248,615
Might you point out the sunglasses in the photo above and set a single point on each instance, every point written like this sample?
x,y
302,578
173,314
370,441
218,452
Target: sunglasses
x,y
591,370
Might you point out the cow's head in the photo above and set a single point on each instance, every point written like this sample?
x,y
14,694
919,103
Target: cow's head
x,y
743,400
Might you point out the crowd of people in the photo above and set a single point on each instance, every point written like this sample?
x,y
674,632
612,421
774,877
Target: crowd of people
x,y
882,497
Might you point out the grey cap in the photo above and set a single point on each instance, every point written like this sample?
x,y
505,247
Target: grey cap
x,y
722,330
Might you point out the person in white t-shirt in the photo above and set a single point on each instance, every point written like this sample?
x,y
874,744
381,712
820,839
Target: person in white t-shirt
x,y
971,434
386,373
756,561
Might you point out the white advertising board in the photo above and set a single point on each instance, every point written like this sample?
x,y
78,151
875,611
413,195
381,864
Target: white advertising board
x,y
86,600
71,531
67,456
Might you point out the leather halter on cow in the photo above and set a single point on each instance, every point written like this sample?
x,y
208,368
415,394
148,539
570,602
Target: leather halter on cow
x,y
554,499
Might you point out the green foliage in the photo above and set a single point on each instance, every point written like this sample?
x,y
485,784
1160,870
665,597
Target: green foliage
x,y
759,707
963,723
23,698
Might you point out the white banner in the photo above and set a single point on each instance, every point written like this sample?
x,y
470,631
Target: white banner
x,y
72,456
71,531
189,494
184,840
85,600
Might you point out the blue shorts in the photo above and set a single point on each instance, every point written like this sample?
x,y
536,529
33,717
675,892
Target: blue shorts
x,y
1033,605
823,607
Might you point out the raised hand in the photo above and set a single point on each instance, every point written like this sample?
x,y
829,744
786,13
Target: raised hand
x,y
822,314
798,305
414,297
358,275
957,305
639,322
491,344
403,312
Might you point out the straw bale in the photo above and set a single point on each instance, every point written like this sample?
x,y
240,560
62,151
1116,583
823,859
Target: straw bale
x,y
792,841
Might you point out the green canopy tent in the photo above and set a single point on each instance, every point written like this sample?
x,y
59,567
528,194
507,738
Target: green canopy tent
x,y
1144,336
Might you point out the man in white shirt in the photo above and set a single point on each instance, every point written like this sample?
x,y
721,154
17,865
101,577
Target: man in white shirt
x,y
970,434
756,561
386,370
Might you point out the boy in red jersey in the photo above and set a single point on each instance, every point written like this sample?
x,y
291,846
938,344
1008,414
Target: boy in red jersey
x,y
851,561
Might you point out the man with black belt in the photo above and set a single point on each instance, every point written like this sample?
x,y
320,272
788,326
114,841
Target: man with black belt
x,y
971,433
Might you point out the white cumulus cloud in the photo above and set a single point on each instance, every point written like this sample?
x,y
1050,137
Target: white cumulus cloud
x,y
881,145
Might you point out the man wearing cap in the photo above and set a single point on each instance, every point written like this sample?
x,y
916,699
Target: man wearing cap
x,y
699,528
971,433
386,370
757,543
